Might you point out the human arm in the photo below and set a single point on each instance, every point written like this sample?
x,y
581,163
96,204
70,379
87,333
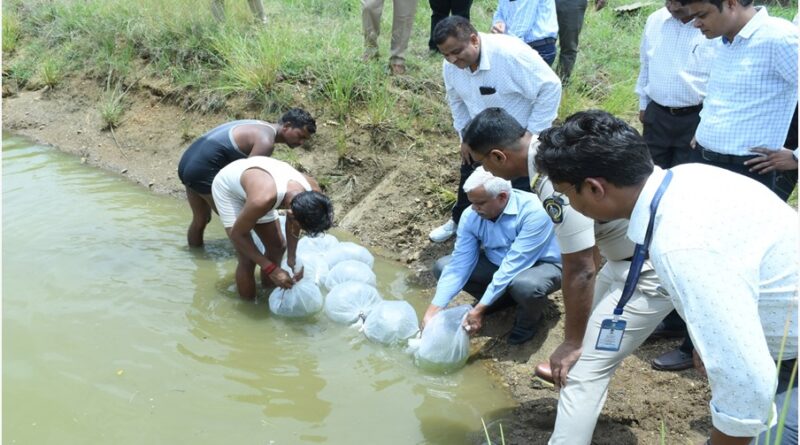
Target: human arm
x,y
538,83
718,299
462,262
577,287
458,108
292,237
499,19
429,313
260,139
641,81
772,160
260,198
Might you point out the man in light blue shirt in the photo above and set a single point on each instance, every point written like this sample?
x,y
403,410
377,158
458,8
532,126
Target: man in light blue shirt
x,y
533,21
505,252
752,87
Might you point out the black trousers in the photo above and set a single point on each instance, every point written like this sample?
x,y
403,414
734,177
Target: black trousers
x,y
441,9
462,202
668,136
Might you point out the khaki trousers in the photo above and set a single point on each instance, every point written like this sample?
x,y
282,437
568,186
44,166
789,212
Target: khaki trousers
x,y
402,24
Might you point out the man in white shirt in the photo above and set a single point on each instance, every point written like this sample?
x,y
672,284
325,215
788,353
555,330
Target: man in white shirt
x,y
731,273
675,59
674,63
491,70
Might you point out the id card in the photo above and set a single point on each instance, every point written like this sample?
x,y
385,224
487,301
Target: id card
x,y
610,337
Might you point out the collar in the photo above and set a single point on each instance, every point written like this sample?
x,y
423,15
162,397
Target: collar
x,y
640,216
512,206
532,149
485,53
752,26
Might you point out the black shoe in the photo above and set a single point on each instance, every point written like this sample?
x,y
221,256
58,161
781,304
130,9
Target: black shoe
x,y
675,360
521,335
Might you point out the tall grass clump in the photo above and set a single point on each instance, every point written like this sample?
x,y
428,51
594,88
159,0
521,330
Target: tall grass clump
x,y
11,32
51,71
251,63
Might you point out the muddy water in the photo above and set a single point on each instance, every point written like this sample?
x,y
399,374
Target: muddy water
x,y
115,332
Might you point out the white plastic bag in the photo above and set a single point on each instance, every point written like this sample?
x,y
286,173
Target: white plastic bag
x,y
391,322
304,299
347,302
318,245
444,345
349,251
349,270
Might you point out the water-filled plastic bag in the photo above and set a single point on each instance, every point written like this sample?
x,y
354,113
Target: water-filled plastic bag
x,y
349,251
349,301
444,345
391,322
349,270
304,299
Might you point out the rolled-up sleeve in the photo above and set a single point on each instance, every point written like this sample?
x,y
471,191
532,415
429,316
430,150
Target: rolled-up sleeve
x,y
719,302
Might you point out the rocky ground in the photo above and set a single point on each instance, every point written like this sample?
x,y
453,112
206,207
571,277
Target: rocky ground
x,y
387,188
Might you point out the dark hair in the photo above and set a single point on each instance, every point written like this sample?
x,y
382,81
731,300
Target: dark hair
x,y
593,144
453,26
313,211
492,127
717,3
299,118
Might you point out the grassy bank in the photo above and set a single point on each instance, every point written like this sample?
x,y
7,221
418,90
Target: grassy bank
x,y
309,55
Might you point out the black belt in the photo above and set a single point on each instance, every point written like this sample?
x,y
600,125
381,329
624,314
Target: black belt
x,y
713,156
680,111
542,42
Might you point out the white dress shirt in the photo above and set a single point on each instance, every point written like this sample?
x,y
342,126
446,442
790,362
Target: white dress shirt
x,y
675,59
522,82
752,89
726,248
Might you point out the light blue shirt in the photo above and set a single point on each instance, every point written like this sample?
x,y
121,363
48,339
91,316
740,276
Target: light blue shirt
x,y
515,241
752,88
530,20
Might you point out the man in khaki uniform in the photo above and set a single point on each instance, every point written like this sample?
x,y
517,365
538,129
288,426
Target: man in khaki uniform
x,y
402,24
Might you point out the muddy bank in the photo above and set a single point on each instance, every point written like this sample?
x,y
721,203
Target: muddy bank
x,y
387,194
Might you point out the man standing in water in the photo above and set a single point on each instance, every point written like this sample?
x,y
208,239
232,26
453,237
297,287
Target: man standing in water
x,y
248,193
225,144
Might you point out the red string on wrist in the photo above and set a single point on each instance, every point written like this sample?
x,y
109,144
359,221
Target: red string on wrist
x,y
272,266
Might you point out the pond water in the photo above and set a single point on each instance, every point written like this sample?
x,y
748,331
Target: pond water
x,y
115,332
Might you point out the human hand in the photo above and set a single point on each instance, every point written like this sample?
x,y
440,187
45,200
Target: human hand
x,y
599,4
771,160
466,157
299,274
499,28
474,321
562,360
641,116
698,363
432,310
281,278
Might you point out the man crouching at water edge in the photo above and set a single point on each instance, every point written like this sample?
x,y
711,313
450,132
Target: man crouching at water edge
x,y
248,193
226,143
505,253
732,275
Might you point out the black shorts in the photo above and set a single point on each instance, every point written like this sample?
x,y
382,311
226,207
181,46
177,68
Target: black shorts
x,y
202,161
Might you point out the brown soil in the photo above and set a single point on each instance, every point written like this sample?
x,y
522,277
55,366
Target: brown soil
x,y
385,188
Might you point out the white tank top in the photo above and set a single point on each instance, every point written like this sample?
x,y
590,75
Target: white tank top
x,y
230,177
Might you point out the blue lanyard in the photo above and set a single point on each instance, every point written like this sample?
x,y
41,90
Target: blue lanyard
x,y
642,250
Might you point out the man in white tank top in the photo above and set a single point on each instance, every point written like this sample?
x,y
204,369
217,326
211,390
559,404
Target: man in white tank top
x,y
248,192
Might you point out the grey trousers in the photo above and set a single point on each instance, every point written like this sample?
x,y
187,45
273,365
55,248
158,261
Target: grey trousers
x,y
402,24
570,22
528,289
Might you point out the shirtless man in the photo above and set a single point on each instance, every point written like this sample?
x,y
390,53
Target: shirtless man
x,y
248,192
225,144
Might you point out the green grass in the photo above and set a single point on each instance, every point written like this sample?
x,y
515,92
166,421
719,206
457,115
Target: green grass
x,y
11,32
